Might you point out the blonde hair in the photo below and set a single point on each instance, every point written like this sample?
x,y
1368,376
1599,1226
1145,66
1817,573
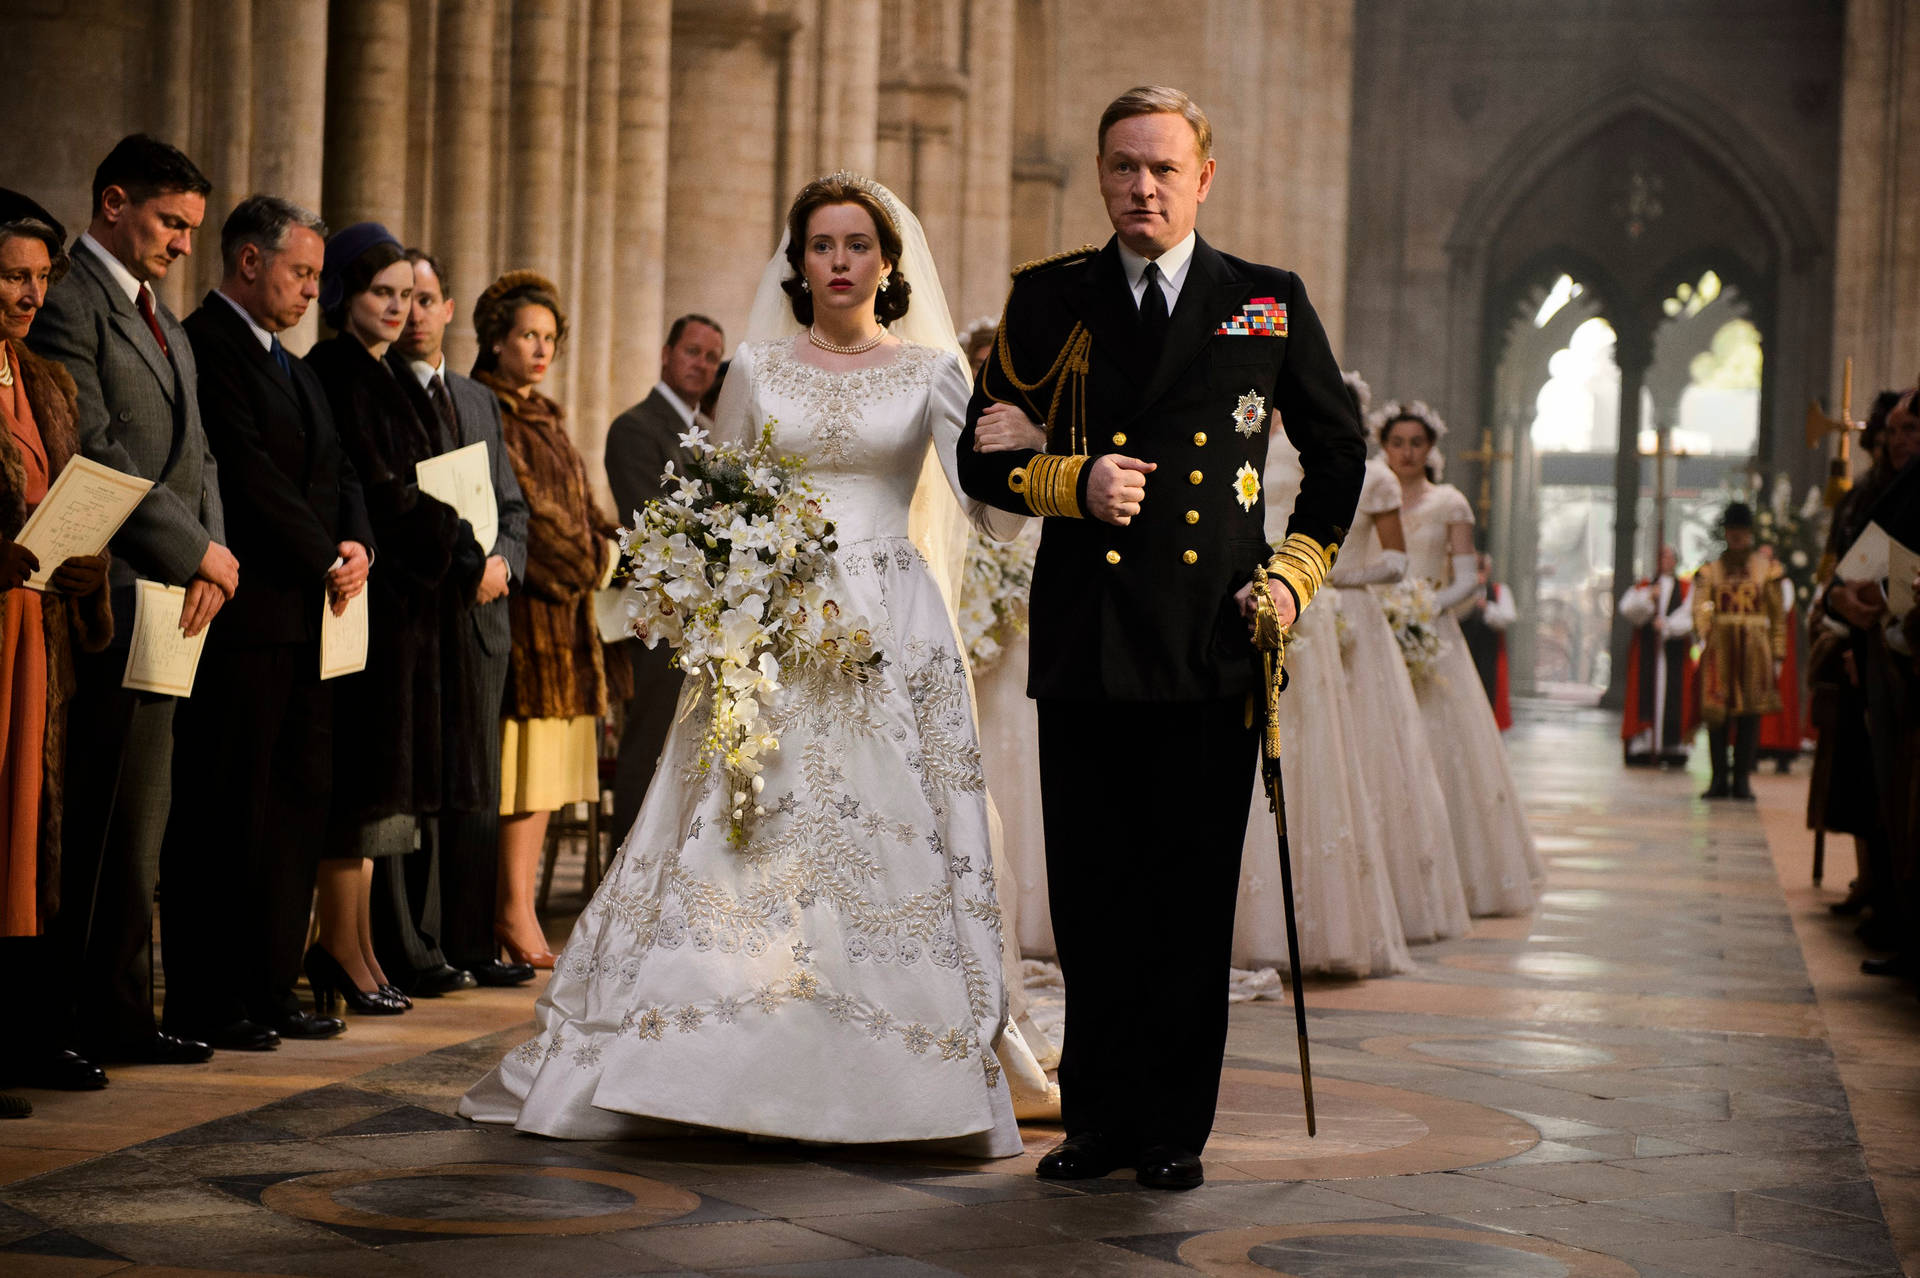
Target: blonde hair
x,y
1158,99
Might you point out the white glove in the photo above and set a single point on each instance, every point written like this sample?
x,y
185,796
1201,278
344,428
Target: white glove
x,y
1466,580
1390,566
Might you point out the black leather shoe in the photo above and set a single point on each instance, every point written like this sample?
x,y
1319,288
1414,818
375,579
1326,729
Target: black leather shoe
x,y
1891,965
12,1106
1743,791
156,1049
303,1024
236,1036
58,1071
1717,790
1168,1167
1085,1156
499,975
445,979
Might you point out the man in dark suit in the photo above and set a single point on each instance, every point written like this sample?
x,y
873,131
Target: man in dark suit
x,y
437,921
1173,355
640,443
255,740
139,413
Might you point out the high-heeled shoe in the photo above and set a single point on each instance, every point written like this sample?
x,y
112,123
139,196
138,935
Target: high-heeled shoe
x,y
398,995
543,959
332,985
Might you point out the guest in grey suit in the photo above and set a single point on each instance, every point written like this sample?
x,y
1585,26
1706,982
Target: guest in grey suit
x,y
449,892
139,413
640,443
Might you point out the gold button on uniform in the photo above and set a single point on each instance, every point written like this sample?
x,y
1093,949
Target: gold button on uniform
x,y
1199,439
1195,477
1193,516
1191,557
1119,439
1113,556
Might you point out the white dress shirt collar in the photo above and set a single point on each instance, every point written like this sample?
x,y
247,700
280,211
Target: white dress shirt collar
x,y
426,372
260,334
117,269
1173,269
680,406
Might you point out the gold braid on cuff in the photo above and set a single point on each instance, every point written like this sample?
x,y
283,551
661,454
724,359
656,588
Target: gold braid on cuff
x,y
1050,483
1303,564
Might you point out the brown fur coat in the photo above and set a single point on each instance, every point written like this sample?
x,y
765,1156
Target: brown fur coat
x,y
559,668
87,621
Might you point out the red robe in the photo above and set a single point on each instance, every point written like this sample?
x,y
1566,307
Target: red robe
x,y
1681,713
1783,731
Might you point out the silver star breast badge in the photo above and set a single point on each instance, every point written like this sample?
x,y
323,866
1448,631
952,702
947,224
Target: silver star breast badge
x,y
1250,414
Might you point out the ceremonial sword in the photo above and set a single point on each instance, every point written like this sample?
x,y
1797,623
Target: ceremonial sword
x,y
1270,637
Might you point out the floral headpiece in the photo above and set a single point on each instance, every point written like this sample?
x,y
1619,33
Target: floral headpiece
x,y
1358,388
1415,410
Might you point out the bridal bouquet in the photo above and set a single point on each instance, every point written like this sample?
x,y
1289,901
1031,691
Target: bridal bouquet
x,y
1411,612
726,568
993,596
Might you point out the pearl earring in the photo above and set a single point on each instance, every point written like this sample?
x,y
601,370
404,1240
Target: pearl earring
x,y
805,287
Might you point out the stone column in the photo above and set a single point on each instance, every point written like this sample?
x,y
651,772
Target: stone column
x,y
987,192
638,265
461,238
365,173
923,98
592,408
1877,241
723,202
1634,353
221,141
536,125
289,114
847,92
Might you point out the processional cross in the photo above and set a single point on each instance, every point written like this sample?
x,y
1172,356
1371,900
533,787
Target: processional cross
x,y
1485,456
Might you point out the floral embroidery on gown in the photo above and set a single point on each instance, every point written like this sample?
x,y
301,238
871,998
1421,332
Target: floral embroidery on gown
x,y
839,977
1404,785
1344,907
1499,865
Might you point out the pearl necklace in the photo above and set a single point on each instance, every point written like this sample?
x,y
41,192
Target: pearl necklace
x,y
860,348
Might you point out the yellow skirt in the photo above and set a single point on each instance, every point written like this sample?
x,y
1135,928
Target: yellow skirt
x,y
548,763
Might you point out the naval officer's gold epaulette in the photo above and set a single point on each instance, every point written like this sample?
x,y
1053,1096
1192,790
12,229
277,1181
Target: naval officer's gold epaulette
x,y
1071,255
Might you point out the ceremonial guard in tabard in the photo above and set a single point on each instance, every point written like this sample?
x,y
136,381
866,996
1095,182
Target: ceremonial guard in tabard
x,y
1743,629
1141,660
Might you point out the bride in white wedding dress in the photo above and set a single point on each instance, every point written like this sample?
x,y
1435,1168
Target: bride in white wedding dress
x,y
838,978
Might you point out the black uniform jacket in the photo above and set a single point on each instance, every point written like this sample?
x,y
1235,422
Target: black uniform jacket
x,y
290,492
1145,612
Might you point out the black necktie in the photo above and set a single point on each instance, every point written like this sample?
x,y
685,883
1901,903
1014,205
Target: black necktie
x,y
280,358
443,409
1153,311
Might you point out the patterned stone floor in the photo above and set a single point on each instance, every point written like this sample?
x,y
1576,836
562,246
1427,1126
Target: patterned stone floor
x,y
1668,1069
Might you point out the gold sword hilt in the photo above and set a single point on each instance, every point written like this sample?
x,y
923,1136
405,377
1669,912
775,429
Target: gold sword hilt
x,y
1271,638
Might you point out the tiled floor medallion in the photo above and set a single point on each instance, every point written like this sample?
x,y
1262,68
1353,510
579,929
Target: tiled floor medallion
x,y
1260,1131
1339,1250
481,1198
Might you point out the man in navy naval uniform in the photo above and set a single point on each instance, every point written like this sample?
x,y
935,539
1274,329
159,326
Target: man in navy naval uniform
x,y
1155,363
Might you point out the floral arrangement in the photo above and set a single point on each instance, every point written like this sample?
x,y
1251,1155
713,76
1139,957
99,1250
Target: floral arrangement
x,y
993,596
1797,534
726,568
1410,611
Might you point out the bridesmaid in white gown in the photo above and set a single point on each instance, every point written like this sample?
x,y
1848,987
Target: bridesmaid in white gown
x,y
1499,865
1405,793
838,978
1348,922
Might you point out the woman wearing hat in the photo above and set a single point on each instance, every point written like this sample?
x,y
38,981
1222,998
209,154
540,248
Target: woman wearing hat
x,y
388,764
37,633
557,675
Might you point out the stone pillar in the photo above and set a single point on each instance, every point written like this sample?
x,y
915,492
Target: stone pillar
x,y
461,238
723,202
365,174
638,264
536,126
221,141
923,99
847,96
592,406
1634,353
987,192
1877,242
289,114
